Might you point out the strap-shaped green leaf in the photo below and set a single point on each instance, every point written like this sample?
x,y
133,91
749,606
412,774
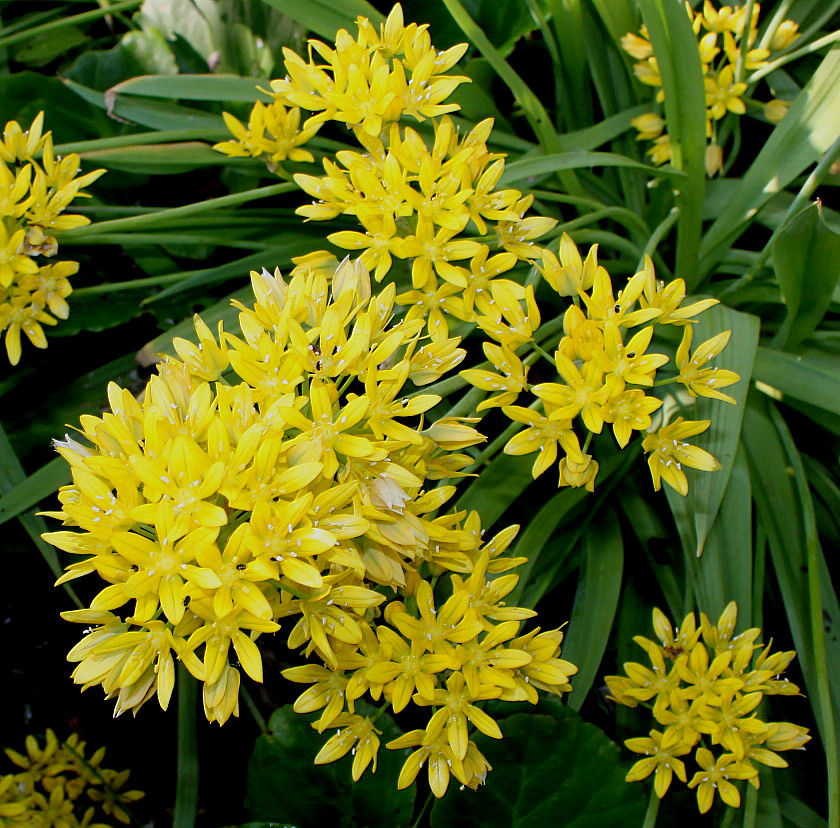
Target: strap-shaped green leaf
x,y
326,17
596,602
806,258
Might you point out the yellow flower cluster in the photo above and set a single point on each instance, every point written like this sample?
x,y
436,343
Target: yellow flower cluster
x,y
367,83
725,43
56,781
707,699
603,371
415,202
287,473
35,190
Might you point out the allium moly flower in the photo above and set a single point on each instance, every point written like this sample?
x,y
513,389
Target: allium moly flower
x,y
707,701
668,453
57,784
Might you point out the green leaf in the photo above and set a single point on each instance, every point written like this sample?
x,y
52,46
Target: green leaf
x,y
29,492
814,380
97,312
596,602
222,311
41,49
497,487
12,475
538,532
806,258
724,572
149,113
157,159
769,448
546,771
548,164
810,127
195,88
326,17
695,513
675,47
323,794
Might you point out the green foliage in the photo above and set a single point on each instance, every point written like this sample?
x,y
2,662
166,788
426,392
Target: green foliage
x,y
548,770
177,227
285,787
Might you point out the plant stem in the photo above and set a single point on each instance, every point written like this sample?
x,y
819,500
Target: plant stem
x,y
35,31
175,213
160,136
751,807
254,710
814,46
652,810
186,788
658,234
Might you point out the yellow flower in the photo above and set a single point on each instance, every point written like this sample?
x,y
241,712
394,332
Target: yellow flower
x,y
649,126
543,434
669,453
661,752
510,380
356,733
273,131
23,145
17,316
698,379
786,33
637,47
443,763
724,94
629,411
775,110
716,775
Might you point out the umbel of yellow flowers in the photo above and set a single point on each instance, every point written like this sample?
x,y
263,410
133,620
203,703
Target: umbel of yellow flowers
x,y
726,41
283,474
705,687
57,785
288,472
36,187
425,206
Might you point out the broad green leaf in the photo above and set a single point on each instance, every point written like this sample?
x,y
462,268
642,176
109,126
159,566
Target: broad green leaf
x,y
769,448
29,492
97,312
43,48
806,258
138,53
536,534
497,487
810,127
548,164
323,794
222,311
149,113
814,380
589,138
724,572
272,257
158,159
596,602
195,88
663,551
12,475
326,17
695,513
675,47
797,813
547,771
